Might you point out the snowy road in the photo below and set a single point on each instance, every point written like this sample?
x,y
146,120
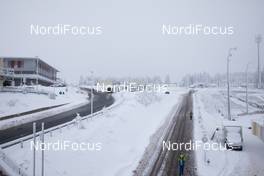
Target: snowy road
x,y
180,131
100,100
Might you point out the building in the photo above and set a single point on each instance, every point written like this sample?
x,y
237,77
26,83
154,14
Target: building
x,y
21,70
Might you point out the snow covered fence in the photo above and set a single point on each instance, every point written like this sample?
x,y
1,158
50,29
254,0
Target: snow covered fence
x,y
23,90
9,167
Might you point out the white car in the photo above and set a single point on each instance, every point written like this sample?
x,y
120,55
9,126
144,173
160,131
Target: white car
x,y
233,137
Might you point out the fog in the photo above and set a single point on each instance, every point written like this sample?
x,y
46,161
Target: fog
x,y
132,43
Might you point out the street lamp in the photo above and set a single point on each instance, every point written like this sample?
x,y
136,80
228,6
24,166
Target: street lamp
x,y
247,87
258,40
228,84
92,92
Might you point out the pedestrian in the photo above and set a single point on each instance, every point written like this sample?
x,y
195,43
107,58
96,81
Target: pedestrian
x,y
181,162
191,115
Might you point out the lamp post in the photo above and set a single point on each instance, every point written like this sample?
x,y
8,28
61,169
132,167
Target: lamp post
x,y
258,40
92,92
34,149
42,149
247,87
228,83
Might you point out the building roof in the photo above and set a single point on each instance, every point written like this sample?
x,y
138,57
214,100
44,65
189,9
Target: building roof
x,y
34,58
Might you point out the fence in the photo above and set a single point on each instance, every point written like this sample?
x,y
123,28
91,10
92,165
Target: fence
x,y
21,89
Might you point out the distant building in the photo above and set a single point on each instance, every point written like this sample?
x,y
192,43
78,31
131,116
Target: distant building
x,y
21,70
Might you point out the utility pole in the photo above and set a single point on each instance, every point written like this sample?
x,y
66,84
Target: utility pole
x,y
228,84
42,149
34,149
247,88
92,92
258,40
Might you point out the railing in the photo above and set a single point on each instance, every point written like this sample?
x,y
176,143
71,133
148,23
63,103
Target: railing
x,y
11,164
16,73
21,89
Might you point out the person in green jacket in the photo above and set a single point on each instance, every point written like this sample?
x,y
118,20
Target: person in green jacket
x,y
181,161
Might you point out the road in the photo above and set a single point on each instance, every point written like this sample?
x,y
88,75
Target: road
x,y
181,131
100,100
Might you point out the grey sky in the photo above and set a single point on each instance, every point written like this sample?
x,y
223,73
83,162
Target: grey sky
x,y
132,43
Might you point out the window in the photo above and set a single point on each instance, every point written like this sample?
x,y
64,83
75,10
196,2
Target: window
x,y
15,64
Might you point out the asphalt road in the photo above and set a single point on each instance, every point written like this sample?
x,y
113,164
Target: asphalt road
x,y
181,131
100,100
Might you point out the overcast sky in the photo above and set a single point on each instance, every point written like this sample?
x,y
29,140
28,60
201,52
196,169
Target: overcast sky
x,y
132,43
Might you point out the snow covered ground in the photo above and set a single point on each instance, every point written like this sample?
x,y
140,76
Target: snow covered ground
x,y
210,112
12,103
18,102
117,138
